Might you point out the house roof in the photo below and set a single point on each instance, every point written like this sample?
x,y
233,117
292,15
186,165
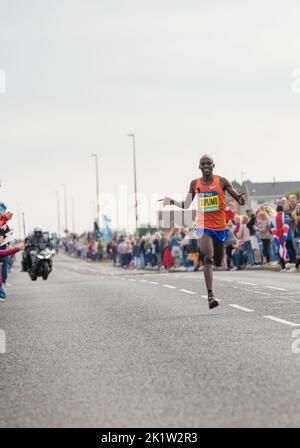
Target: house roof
x,y
275,189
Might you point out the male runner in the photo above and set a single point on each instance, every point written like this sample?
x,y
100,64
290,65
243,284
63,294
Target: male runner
x,y
211,220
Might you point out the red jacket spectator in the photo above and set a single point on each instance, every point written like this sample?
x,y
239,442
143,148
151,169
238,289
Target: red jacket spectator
x,y
230,215
7,253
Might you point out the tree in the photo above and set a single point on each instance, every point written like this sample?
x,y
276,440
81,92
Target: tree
x,y
296,192
146,228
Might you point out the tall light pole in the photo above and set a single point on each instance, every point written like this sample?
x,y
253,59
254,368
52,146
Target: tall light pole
x,y
135,179
19,222
58,214
66,208
24,225
97,188
73,216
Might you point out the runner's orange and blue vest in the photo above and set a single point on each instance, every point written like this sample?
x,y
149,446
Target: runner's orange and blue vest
x,y
211,202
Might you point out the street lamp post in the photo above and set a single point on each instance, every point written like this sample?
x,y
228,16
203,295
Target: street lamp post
x,y
24,225
97,187
73,216
19,222
66,208
58,214
135,179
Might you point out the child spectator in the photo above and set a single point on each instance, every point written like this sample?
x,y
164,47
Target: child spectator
x,y
265,235
244,238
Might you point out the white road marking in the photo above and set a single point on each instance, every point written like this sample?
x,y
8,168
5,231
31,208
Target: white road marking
x,y
248,291
169,286
189,277
143,281
73,273
284,301
274,287
204,297
246,283
154,283
81,268
262,293
233,305
186,291
282,321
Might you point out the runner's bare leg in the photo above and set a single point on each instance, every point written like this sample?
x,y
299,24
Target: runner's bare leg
x,y
207,251
218,254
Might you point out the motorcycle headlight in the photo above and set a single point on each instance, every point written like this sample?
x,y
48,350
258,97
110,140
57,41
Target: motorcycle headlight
x,y
47,257
40,257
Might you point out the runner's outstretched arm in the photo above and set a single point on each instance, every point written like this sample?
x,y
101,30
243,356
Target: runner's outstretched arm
x,y
182,204
227,186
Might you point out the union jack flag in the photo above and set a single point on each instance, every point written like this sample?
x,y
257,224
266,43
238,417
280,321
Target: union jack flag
x,y
280,230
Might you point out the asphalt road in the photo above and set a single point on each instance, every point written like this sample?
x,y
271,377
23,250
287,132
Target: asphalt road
x,y
101,347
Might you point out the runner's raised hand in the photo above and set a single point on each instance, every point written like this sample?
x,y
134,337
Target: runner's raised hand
x,y
242,199
166,201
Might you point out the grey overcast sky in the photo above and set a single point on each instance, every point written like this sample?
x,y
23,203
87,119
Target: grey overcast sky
x,y
187,77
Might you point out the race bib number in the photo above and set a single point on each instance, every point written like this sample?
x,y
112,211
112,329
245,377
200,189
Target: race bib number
x,y
209,201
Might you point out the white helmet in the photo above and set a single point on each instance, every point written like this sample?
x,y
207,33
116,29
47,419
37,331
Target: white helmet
x,y
38,229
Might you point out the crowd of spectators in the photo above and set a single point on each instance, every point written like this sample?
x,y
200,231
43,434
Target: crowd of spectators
x,y
165,250
267,236
85,246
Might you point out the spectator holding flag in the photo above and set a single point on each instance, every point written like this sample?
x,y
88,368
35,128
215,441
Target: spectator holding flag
x,y
106,222
289,242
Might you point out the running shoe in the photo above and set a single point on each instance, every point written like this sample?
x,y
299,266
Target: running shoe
x,y
212,302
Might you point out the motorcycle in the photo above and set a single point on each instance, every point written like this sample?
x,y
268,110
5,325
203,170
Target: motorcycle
x,y
42,263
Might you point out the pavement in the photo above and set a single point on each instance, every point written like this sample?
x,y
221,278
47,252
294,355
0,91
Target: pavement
x,y
97,346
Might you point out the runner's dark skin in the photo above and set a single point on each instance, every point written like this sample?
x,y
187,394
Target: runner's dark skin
x,y
211,251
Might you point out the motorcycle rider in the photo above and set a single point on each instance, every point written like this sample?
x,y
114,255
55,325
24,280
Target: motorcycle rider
x,y
34,244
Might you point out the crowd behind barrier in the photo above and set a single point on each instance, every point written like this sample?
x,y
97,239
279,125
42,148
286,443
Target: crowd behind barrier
x,y
267,236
